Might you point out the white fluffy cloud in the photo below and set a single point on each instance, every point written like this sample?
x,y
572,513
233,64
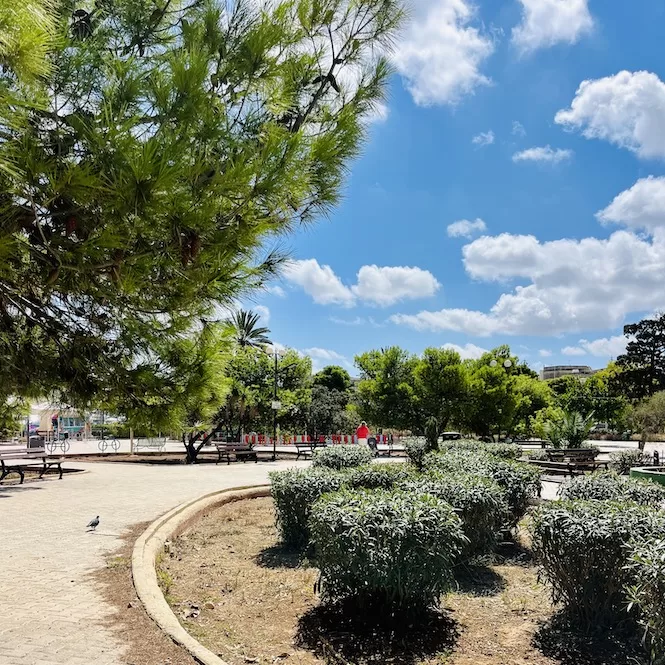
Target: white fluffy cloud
x,y
627,109
483,139
572,285
573,351
322,357
441,53
375,285
389,285
320,282
468,351
545,154
263,312
641,207
605,347
549,22
518,129
276,290
544,353
465,228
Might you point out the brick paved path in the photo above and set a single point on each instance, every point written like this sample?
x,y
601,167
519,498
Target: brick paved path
x,y
50,611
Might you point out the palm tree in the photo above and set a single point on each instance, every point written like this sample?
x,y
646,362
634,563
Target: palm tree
x,y
246,329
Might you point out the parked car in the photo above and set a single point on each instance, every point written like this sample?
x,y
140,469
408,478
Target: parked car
x,y
451,436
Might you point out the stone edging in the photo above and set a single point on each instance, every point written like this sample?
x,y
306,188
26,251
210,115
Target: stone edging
x,y
151,543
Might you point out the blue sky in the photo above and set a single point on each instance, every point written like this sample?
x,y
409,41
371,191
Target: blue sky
x,y
538,124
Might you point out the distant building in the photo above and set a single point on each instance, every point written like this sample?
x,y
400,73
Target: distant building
x,y
555,371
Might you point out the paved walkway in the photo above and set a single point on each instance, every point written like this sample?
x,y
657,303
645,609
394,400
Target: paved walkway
x,y
50,611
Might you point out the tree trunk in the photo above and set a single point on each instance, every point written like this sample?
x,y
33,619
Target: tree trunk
x,y
643,441
192,450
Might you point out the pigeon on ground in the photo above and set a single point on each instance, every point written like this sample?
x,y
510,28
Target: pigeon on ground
x,y
94,523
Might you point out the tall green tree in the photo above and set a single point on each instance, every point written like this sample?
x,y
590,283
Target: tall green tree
x,y
150,169
333,377
386,395
643,364
649,417
441,384
246,329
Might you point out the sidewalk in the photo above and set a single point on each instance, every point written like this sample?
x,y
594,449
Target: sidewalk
x,y
50,613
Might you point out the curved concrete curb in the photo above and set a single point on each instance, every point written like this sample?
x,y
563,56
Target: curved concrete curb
x,y
151,543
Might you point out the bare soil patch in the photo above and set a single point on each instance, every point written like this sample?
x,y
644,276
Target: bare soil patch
x,y
245,598
146,643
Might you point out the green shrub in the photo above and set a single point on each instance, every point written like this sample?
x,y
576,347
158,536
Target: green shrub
x,y
537,454
624,460
607,485
386,550
378,476
647,592
416,450
342,457
480,503
581,549
519,480
294,492
501,450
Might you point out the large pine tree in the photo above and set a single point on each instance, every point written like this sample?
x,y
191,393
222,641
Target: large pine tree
x,y
153,164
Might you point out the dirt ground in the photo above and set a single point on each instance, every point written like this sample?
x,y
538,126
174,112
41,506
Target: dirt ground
x,y
146,644
238,593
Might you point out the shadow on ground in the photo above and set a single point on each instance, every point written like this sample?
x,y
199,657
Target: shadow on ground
x,y
340,634
280,557
556,639
478,580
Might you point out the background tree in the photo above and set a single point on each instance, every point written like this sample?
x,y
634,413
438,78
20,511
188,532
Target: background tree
x,y
334,377
643,364
441,384
385,394
328,414
246,329
151,166
649,417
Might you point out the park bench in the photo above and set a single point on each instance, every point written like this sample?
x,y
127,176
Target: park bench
x,y
570,461
306,449
18,459
569,468
240,451
572,454
158,444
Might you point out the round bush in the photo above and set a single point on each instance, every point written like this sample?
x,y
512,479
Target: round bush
x,y
520,481
416,451
342,457
294,492
647,592
480,503
607,485
388,550
581,549
378,476
501,450
624,460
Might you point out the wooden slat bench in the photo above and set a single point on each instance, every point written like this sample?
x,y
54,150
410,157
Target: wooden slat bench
x,y
240,451
18,459
307,449
569,468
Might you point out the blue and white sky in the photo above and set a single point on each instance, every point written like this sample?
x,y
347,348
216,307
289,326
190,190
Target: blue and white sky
x,y
512,191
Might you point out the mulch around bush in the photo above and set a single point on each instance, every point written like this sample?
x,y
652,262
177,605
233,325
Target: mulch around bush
x,y
250,601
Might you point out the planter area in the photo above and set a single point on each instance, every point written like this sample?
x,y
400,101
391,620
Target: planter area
x,y
655,474
247,599
442,560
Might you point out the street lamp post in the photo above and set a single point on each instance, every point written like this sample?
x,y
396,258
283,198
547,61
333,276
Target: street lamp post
x,y
276,406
